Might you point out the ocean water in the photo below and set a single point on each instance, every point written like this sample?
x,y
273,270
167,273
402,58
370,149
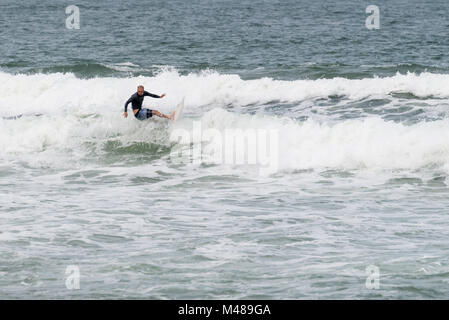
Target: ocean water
x,y
360,127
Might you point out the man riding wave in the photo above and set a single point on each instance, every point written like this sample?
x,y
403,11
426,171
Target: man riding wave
x,y
140,113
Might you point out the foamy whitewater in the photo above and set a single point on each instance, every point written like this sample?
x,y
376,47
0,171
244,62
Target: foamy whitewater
x,y
62,120
361,180
311,160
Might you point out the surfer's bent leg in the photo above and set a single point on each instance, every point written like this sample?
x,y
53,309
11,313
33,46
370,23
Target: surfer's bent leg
x,y
157,113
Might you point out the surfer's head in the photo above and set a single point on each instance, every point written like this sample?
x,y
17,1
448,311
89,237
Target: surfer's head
x,y
140,90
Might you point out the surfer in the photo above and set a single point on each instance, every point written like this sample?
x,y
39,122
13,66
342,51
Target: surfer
x,y
143,113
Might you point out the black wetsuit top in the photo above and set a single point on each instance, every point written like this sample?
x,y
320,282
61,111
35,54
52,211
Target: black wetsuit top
x,y
137,100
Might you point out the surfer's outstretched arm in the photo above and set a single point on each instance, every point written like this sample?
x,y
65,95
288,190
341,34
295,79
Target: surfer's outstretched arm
x,y
159,114
147,94
125,114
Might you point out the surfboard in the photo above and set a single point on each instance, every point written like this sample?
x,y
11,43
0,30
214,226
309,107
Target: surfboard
x,y
178,110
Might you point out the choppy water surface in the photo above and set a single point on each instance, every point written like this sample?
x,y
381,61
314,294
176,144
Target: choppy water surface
x,y
362,162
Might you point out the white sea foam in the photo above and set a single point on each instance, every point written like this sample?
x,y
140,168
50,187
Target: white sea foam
x,y
351,144
123,67
75,111
56,92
